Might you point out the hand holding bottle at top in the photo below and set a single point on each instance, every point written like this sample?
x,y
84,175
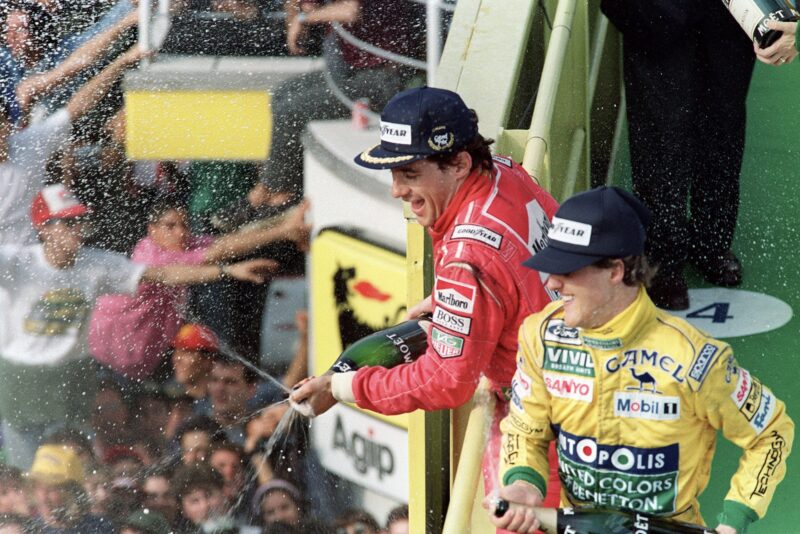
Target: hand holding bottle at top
x,y
313,396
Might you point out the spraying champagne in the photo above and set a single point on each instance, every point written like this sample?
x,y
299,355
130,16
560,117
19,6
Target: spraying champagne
x,y
399,344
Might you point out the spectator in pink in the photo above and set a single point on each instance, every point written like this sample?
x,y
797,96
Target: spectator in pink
x,y
130,333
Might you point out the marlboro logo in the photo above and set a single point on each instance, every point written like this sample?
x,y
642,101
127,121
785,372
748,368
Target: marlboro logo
x,y
455,296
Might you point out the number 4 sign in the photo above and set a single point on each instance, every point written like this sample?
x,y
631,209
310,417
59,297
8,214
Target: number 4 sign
x,y
717,312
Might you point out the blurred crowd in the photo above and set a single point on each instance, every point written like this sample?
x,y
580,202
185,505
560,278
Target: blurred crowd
x,y
142,406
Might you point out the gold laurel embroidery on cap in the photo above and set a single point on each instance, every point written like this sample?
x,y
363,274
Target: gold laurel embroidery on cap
x,y
372,159
441,141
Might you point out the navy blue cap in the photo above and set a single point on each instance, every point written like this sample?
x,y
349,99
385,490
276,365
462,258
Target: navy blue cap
x,y
605,222
418,123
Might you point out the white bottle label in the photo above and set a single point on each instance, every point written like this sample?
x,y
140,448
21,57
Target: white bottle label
x,y
747,13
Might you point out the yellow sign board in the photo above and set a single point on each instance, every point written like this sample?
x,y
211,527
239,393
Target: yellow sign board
x,y
198,125
358,288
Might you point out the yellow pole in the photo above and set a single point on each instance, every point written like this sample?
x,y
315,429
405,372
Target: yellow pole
x,y
468,472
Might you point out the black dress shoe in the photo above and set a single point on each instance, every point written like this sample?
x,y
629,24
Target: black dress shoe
x,y
669,292
723,270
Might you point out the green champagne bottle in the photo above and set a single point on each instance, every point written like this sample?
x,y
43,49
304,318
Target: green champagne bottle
x,y
402,343
610,521
590,520
752,16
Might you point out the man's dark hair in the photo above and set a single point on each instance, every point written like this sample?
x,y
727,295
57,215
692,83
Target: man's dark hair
x,y
200,423
192,477
399,513
478,149
637,269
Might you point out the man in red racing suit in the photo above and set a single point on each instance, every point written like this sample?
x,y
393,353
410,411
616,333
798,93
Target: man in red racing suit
x,y
485,216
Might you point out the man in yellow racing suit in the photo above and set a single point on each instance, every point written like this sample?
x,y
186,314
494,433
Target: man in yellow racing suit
x,y
633,395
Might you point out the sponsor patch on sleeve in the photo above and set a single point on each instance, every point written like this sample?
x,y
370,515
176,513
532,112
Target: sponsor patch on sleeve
x,y
765,412
452,321
772,459
519,423
477,233
520,388
744,384
446,345
455,296
751,402
703,362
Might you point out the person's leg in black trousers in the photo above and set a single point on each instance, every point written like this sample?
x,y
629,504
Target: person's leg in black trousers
x,y
661,116
726,65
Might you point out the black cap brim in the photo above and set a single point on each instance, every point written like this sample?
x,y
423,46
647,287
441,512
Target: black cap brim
x,y
551,260
380,158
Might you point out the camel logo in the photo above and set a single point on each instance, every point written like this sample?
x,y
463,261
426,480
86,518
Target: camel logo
x,y
641,357
643,378
441,139
643,406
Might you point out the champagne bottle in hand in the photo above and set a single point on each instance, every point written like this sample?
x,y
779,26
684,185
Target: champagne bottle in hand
x,y
402,343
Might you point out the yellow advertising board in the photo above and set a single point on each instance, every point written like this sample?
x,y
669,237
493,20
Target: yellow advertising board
x,y
358,287
198,125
